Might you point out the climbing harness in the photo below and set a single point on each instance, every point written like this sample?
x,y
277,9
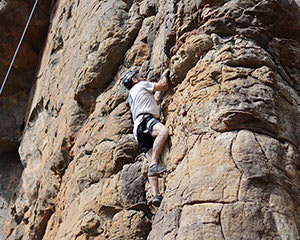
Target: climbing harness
x,y
20,42
163,55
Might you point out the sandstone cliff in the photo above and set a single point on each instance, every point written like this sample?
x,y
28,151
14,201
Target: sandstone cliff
x,y
232,111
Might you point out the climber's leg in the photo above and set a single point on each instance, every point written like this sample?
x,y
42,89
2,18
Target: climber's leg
x,y
152,180
161,133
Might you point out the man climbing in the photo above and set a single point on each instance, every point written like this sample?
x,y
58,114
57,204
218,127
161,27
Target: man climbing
x,y
150,133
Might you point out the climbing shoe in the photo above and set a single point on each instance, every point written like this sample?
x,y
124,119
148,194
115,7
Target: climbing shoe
x,y
156,200
156,169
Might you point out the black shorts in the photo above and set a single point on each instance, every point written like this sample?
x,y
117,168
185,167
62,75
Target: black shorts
x,y
144,130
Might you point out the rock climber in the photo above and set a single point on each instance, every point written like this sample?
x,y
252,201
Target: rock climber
x,y
149,132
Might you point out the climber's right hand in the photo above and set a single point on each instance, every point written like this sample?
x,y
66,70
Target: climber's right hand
x,y
166,73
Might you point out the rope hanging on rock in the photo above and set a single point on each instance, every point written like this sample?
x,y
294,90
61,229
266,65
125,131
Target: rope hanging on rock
x,y
18,47
163,54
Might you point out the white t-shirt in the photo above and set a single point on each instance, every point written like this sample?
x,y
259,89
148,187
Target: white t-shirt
x,y
141,100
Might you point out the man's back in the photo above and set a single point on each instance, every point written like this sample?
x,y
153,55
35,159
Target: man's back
x,y
141,100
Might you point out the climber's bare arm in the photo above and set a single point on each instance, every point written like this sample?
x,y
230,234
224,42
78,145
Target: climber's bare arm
x,y
157,96
161,86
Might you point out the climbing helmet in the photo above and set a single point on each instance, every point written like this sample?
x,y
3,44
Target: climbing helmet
x,y
127,79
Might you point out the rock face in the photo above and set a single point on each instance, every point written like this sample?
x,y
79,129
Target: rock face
x,y
232,111
10,175
14,98
15,95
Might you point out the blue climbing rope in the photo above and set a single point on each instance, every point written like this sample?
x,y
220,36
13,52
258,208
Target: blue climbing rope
x,y
18,47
